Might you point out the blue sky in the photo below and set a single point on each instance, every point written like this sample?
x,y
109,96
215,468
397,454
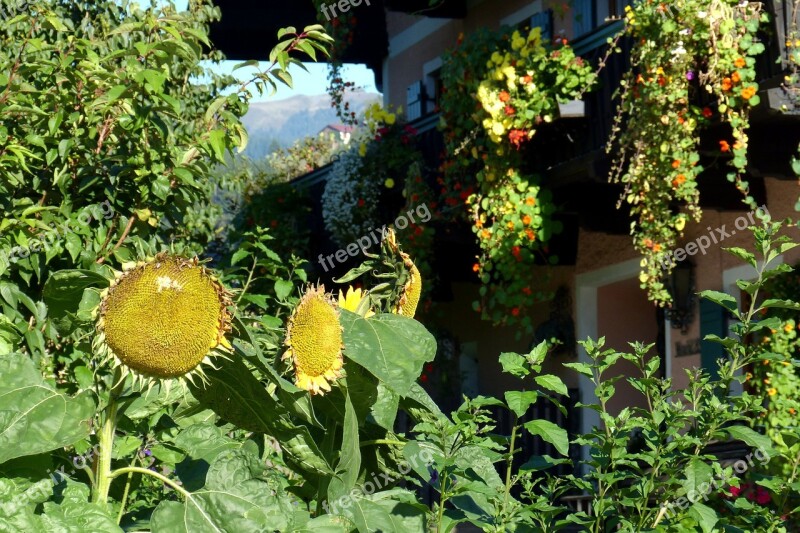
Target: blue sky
x,y
313,82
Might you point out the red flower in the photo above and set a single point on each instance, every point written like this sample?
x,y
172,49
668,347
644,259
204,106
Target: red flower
x,y
735,491
527,290
762,496
429,367
361,202
515,311
274,223
724,146
423,378
509,110
707,112
517,137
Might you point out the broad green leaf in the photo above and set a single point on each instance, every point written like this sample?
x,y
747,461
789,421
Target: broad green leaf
x,y
725,300
514,364
239,495
555,435
392,511
697,482
551,383
705,516
751,438
520,401
63,293
392,347
35,418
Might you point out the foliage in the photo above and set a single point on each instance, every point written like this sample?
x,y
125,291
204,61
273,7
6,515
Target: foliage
x,y
693,66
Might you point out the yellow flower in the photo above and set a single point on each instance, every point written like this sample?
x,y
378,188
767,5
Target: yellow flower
x,y
357,301
772,391
314,341
362,149
163,318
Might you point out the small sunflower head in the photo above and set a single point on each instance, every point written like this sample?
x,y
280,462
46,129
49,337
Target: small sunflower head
x,y
162,318
409,299
314,342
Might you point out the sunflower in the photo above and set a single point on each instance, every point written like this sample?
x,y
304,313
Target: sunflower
x,y
163,318
409,297
357,301
314,342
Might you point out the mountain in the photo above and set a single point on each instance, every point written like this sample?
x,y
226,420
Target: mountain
x,y
280,123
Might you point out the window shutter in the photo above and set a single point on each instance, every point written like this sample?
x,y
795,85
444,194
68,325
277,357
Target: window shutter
x,y
583,21
712,322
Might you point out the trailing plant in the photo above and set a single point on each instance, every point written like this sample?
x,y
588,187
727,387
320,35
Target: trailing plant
x,y
692,67
514,83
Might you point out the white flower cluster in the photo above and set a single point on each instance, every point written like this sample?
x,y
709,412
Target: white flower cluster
x,y
349,203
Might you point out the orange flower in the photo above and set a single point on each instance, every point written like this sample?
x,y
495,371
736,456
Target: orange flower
x,y
724,146
526,220
792,410
748,93
737,145
527,79
476,267
486,234
504,96
530,200
510,225
531,235
735,77
478,223
726,84
679,180
740,62
676,163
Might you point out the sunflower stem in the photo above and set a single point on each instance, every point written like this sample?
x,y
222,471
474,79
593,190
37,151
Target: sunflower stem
x,y
103,475
144,471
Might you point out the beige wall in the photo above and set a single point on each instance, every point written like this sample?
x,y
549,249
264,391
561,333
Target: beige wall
x,y
623,312
402,68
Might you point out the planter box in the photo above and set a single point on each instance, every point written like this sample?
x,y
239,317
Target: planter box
x,y
572,109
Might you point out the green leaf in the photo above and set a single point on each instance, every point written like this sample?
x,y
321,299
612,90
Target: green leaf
x,y
705,516
239,495
697,482
391,347
392,511
725,300
283,289
751,438
519,401
551,383
34,417
63,293
551,433
349,464
514,364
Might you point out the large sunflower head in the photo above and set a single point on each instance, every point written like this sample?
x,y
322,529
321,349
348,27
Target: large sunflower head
x,y
314,342
162,318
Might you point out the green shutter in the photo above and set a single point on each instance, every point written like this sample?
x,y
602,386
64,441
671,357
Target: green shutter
x,y
712,322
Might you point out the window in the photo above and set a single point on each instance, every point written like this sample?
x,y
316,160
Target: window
x,y
584,17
